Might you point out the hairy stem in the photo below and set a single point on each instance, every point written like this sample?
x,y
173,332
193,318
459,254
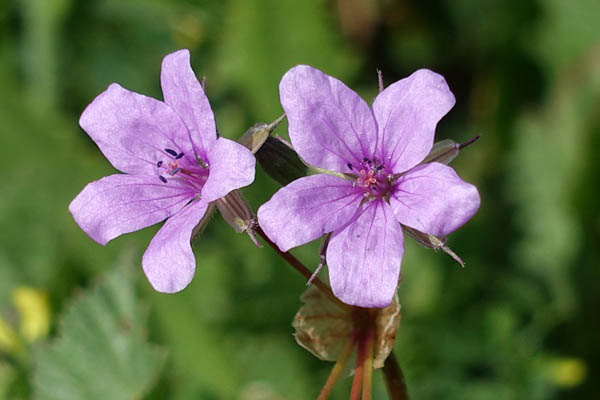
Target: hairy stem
x,y
394,380
298,266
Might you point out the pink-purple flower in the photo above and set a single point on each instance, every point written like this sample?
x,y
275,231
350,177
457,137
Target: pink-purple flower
x,y
377,181
173,167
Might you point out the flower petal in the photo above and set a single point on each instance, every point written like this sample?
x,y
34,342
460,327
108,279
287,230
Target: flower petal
x,y
169,262
433,199
231,167
308,208
407,113
364,257
329,124
184,94
119,204
133,130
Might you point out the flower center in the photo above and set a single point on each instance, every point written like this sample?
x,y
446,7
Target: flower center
x,y
372,178
191,172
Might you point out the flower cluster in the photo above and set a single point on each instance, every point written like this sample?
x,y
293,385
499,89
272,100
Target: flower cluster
x,y
371,178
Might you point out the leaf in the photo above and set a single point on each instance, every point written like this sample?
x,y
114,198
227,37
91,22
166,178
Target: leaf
x,y
323,328
101,351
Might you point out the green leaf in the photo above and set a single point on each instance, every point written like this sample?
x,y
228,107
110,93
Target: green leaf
x,y
101,351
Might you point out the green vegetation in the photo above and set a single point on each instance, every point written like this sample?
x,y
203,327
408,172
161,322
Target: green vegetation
x,y
519,322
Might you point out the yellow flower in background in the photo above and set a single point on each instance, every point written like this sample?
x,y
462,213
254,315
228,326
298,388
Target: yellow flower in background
x,y
9,340
567,372
34,311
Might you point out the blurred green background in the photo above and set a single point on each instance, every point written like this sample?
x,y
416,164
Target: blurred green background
x,y
519,322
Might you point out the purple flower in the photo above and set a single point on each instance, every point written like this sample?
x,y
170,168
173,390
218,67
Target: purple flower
x,y
376,181
173,163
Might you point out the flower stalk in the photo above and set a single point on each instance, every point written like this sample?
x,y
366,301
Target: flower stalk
x,y
298,266
337,370
394,379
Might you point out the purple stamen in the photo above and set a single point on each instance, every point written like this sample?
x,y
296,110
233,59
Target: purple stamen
x,y
171,152
349,166
379,167
179,156
367,160
176,170
159,164
162,178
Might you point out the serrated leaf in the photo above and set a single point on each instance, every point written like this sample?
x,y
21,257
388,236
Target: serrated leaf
x,y
101,351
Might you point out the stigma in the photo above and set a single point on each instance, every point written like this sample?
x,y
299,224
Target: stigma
x,y
371,177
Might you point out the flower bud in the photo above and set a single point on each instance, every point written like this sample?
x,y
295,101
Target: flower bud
x,y
446,150
279,160
235,211
255,137
443,152
433,242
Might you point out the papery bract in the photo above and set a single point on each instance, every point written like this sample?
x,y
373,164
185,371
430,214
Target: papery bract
x,y
376,183
174,166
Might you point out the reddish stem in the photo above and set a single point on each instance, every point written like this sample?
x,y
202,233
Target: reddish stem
x,y
294,262
358,371
368,363
394,379
337,370
364,331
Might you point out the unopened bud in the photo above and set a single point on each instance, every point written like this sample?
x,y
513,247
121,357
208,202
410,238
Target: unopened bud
x,y
446,150
433,242
237,214
256,136
279,160
443,152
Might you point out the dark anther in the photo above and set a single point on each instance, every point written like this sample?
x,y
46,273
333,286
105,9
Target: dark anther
x,y
171,152
162,178
374,188
349,166
179,156
176,170
379,167
159,164
367,160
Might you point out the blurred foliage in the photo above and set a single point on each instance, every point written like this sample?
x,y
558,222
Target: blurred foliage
x,y
518,322
110,320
